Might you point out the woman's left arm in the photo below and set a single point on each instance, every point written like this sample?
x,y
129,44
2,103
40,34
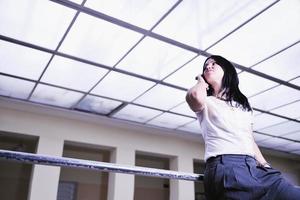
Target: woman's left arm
x,y
259,157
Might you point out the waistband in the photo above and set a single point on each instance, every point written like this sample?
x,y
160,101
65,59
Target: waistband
x,y
230,159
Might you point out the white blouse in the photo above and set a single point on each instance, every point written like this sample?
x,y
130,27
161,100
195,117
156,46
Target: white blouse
x,y
226,129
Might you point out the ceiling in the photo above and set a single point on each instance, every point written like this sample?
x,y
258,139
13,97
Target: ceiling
x,y
134,59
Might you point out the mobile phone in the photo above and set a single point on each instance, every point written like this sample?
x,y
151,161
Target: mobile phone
x,y
196,78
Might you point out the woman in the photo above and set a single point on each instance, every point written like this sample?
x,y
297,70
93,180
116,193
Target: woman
x,y
235,167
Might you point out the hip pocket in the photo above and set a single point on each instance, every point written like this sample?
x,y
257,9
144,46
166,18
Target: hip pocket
x,y
241,178
262,174
239,181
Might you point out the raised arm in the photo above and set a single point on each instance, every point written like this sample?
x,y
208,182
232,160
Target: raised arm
x,y
196,96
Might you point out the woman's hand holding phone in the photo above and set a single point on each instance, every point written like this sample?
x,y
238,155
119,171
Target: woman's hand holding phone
x,y
201,80
197,94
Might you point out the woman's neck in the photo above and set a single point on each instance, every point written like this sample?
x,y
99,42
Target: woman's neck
x,y
218,92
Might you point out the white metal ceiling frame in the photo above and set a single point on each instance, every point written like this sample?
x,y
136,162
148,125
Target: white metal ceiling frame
x,y
81,8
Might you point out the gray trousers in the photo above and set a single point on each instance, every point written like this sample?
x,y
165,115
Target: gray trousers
x,y
239,177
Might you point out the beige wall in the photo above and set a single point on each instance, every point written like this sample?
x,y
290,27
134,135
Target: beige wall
x,y
54,126
90,184
287,164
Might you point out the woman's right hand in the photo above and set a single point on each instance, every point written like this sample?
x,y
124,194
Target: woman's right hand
x,y
200,80
196,95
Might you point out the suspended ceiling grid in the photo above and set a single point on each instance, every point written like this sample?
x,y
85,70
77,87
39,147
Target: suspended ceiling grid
x,y
134,60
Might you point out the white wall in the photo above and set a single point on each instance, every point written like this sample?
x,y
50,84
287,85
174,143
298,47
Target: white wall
x,y
54,126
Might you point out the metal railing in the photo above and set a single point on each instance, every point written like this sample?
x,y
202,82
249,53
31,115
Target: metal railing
x,y
95,165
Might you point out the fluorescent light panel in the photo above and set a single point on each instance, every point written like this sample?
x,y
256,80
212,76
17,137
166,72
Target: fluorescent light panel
x,y
72,74
155,59
185,77
193,127
274,142
34,21
22,61
264,120
121,86
55,96
137,113
296,81
162,97
97,40
282,128
169,120
293,136
273,98
183,109
260,137
251,84
283,66
97,104
141,13
201,23
13,87
292,110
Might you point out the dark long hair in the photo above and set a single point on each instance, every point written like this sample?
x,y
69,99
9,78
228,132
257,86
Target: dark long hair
x,y
230,83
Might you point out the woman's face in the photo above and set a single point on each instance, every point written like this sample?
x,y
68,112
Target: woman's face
x,y
213,72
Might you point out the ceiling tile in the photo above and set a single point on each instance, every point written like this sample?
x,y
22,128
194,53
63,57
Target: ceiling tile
x,y
33,21
201,23
284,65
97,104
183,109
72,74
265,120
274,142
293,136
282,128
142,13
136,113
55,96
169,120
22,61
292,146
162,97
292,110
256,40
273,98
121,86
13,87
251,84
296,82
155,59
99,41
193,127
260,137
185,77
77,1
256,112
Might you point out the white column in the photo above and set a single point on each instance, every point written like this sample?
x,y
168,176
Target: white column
x,y
121,186
44,179
181,189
